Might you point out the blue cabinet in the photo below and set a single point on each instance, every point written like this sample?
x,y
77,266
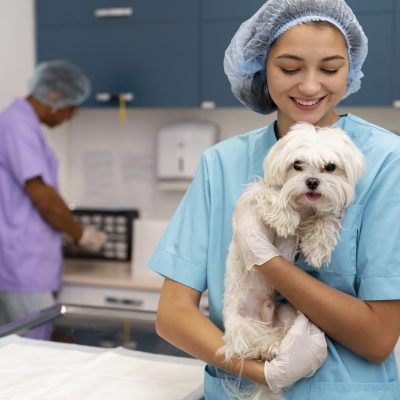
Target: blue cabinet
x,y
170,53
377,18
377,86
95,12
219,20
155,60
371,5
215,87
228,9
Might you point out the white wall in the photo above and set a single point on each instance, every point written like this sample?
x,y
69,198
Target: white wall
x,y
96,138
99,132
17,42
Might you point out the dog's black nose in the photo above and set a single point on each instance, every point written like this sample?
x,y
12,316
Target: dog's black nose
x,y
312,183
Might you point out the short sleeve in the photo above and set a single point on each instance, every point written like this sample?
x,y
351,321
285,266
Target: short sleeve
x,y
378,255
181,254
23,153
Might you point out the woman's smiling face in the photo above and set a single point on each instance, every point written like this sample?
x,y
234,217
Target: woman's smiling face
x,y
307,72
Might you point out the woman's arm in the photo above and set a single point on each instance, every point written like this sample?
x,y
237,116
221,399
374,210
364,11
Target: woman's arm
x,y
369,328
181,323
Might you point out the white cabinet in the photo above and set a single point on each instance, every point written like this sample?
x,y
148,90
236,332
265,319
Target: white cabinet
x,y
132,299
128,299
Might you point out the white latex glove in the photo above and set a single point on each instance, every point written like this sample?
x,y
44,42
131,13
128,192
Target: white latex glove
x,y
303,350
92,240
256,241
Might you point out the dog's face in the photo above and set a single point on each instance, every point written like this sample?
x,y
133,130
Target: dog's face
x,y
314,167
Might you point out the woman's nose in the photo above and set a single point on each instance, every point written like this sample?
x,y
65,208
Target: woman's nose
x,y
310,85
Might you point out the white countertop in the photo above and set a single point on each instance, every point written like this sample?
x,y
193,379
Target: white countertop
x,y
105,273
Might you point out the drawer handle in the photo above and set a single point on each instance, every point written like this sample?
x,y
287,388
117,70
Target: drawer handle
x,y
113,12
106,97
126,302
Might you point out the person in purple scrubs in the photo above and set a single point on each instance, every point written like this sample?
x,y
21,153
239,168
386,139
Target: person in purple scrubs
x,y
33,215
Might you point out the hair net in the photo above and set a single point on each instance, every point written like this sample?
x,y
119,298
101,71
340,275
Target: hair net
x,y
245,57
59,84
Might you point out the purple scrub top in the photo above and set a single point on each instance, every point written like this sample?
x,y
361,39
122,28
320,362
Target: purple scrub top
x,y
30,249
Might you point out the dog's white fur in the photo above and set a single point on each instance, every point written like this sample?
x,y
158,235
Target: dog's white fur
x,y
303,218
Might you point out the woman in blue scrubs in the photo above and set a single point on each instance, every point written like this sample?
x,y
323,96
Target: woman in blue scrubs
x,y
300,58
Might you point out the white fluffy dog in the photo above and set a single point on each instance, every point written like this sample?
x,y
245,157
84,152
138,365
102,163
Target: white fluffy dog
x,y
309,180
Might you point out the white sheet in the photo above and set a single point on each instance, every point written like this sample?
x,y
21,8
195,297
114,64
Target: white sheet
x,y
37,370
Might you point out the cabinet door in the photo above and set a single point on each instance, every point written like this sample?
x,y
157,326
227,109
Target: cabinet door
x,y
377,86
371,5
73,12
215,87
158,63
217,9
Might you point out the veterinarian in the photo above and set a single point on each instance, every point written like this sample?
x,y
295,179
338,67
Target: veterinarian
x,y
32,213
299,58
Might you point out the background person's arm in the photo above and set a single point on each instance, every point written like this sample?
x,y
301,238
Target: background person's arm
x,y
52,208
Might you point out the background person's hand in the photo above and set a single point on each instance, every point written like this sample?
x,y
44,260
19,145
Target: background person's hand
x,y
92,239
303,350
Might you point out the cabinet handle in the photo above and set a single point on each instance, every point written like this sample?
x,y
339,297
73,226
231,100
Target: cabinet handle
x,y
105,97
207,105
396,104
126,302
113,12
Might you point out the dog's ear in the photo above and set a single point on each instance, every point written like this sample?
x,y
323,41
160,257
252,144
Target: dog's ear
x,y
355,168
275,213
275,168
351,158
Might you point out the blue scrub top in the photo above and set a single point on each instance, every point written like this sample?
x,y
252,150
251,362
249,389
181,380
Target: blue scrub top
x,y
365,263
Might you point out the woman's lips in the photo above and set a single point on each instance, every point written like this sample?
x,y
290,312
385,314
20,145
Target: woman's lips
x,y
310,104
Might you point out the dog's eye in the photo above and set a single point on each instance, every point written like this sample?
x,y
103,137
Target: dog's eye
x,y
297,165
330,167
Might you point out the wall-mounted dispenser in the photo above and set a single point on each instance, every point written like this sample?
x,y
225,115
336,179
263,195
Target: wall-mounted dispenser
x,y
179,151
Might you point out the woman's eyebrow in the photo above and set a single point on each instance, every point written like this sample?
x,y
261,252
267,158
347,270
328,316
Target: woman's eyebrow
x,y
297,58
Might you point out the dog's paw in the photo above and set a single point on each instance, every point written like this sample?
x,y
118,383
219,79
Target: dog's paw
x,y
316,259
287,223
270,352
318,238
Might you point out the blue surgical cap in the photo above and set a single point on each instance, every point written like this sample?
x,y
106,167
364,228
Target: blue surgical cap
x,y
59,84
245,57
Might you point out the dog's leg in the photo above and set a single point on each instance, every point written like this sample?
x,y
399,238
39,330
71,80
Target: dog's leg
x,y
275,212
318,237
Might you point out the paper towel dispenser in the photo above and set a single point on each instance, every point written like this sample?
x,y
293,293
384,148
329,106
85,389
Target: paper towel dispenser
x,y
179,151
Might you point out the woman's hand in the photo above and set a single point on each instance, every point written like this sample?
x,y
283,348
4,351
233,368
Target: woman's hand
x,y
303,350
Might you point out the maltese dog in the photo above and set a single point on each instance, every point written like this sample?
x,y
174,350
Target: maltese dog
x,y
309,179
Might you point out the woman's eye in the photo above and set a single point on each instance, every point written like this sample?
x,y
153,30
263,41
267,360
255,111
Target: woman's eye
x,y
289,71
297,166
330,167
329,71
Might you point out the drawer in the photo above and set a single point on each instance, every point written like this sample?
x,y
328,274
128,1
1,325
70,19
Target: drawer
x,y
106,297
128,299
76,12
